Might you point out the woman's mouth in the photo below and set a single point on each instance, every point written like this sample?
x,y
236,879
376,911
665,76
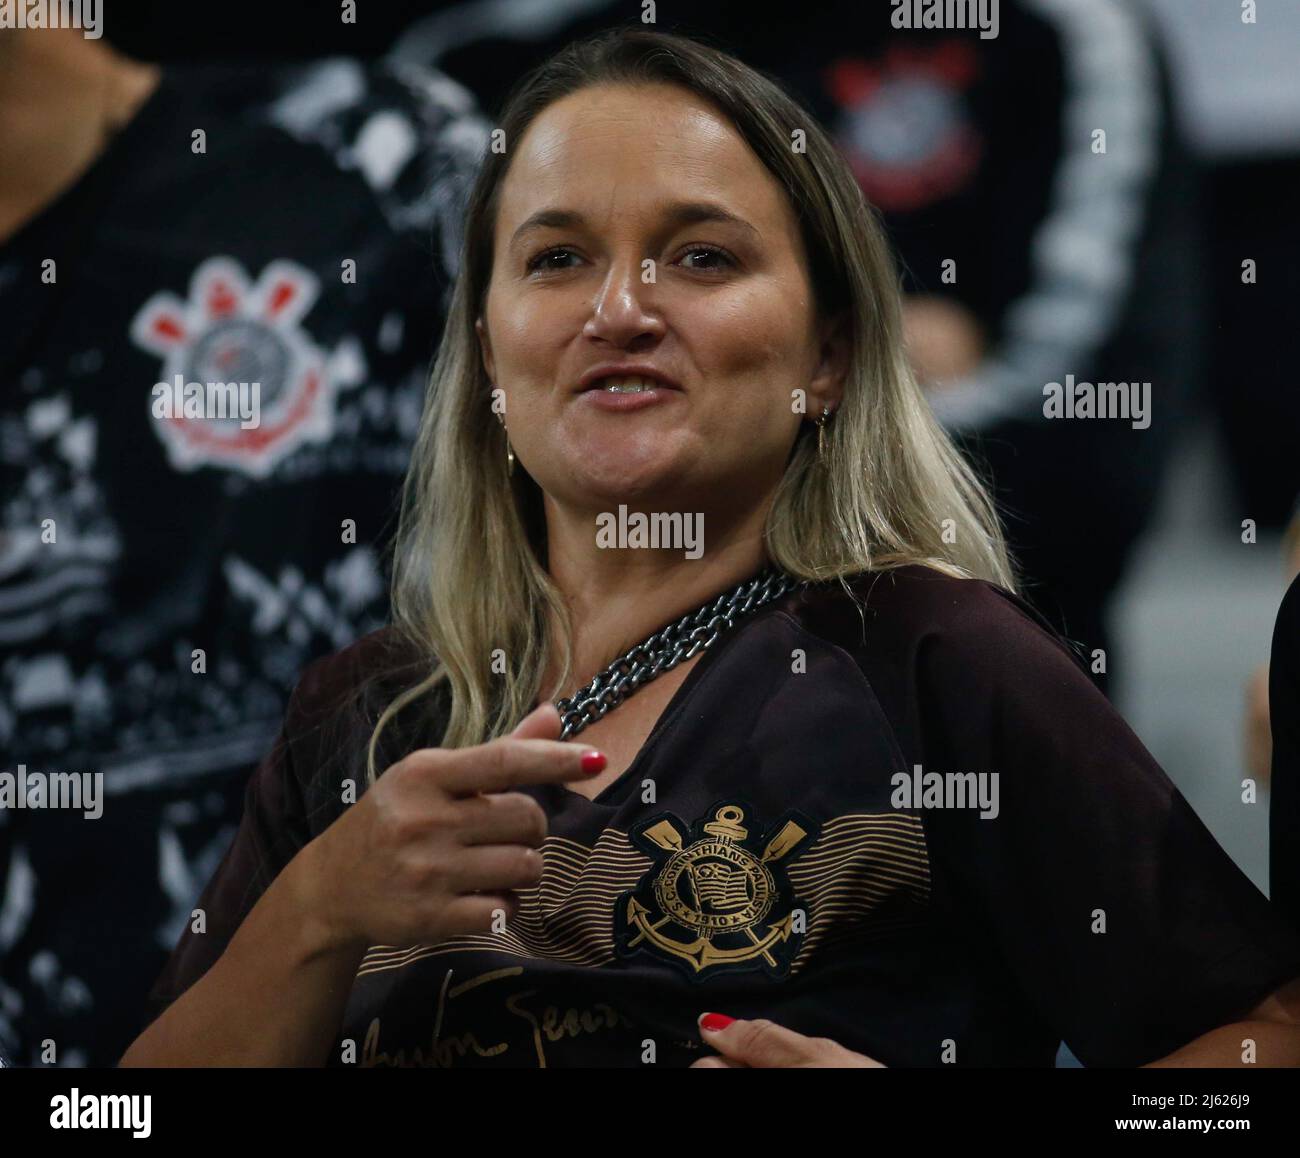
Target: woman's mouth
x,y
624,392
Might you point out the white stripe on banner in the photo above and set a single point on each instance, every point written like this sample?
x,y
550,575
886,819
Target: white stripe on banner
x,y
1084,253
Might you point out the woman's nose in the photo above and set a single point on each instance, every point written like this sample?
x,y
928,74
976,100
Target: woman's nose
x,y
625,305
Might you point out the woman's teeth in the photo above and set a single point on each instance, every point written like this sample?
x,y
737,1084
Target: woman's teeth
x,y
627,385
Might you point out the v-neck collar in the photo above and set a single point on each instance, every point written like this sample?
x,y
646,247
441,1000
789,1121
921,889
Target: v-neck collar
x,y
561,795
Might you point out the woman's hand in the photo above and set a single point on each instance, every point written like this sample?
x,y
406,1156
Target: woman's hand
x,y
759,1044
436,846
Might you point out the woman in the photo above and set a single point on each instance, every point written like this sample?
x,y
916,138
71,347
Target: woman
x,y
855,796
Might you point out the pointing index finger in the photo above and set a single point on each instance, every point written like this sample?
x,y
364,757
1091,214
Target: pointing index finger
x,y
511,763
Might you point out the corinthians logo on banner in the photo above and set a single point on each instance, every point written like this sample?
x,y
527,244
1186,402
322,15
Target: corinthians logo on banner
x,y
718,898
234,329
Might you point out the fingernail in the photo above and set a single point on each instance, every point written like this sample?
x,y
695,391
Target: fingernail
x,y
593,762
715,1021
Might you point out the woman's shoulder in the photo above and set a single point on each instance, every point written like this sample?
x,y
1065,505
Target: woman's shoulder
x,y
339,698
916,612
378,659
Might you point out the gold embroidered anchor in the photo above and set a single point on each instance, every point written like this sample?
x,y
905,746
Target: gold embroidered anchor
x,y
717,890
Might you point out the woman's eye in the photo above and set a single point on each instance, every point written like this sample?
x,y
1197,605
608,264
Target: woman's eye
x,y
539,261
709,251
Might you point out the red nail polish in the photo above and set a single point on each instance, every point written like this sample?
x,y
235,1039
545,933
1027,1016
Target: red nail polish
x,y
593,762
715,1021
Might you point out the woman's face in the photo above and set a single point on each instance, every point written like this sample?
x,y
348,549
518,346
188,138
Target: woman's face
x,y
668,244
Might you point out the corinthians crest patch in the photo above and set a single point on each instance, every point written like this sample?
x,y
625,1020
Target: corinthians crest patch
x,y
717,899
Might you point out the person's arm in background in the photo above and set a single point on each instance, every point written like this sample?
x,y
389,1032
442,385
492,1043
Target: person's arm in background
x,y
1257,726
1284,793
49,78
1272,1028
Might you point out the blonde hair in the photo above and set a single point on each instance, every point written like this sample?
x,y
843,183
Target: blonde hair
x,y
892,490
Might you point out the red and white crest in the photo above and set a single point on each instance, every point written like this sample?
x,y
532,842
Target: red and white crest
x,y
233,331
904,125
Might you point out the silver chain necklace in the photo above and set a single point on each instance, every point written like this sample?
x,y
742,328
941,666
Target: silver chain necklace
x,y
666,648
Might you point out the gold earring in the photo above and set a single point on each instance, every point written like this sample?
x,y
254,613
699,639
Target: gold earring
x,y
821,432
510,454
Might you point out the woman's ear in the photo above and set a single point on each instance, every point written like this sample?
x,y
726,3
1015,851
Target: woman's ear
x,y
485,348
835,347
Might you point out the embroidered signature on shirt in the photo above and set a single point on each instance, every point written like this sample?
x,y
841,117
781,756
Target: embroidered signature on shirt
x,y
552,1025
